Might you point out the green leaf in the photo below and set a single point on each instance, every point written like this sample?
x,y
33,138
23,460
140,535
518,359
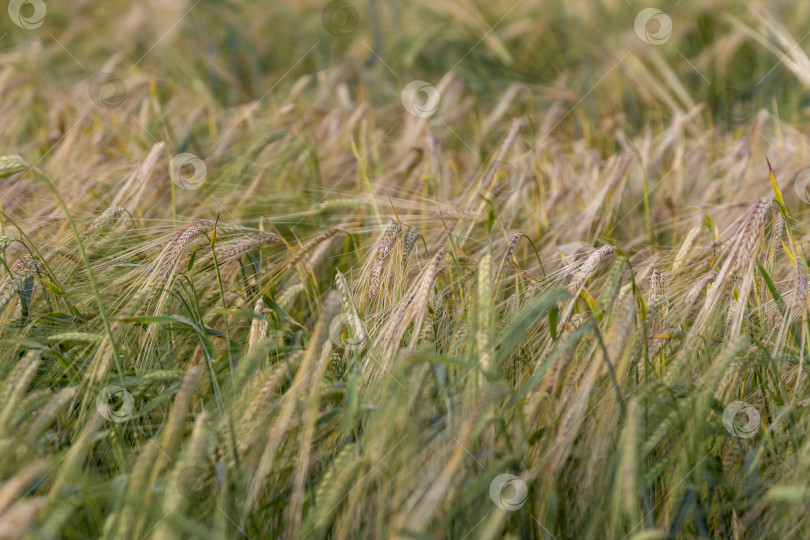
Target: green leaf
x,y
58,317
517,328
75,337
214,232
27,343
788,494
553,315
241,313
210,350
54,289
214,332
271,304
772,288
192,258
158,319
685,510
572,339
26,292
352,404
776,189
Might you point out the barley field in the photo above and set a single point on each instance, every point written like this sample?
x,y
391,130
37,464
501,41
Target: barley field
x,y
452,269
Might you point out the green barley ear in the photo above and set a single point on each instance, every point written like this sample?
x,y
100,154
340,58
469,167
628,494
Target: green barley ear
x,y
471,360
298,254
12,164
14,388
16,487
507,258
18,520
262,397
259,326
129,509
179,493
586,268
628,493
175,424
683,252
612,288
72,465
57,514
290,293
22,270
349,308
381,250
108,215
315,356
331,492
484,310
47,414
